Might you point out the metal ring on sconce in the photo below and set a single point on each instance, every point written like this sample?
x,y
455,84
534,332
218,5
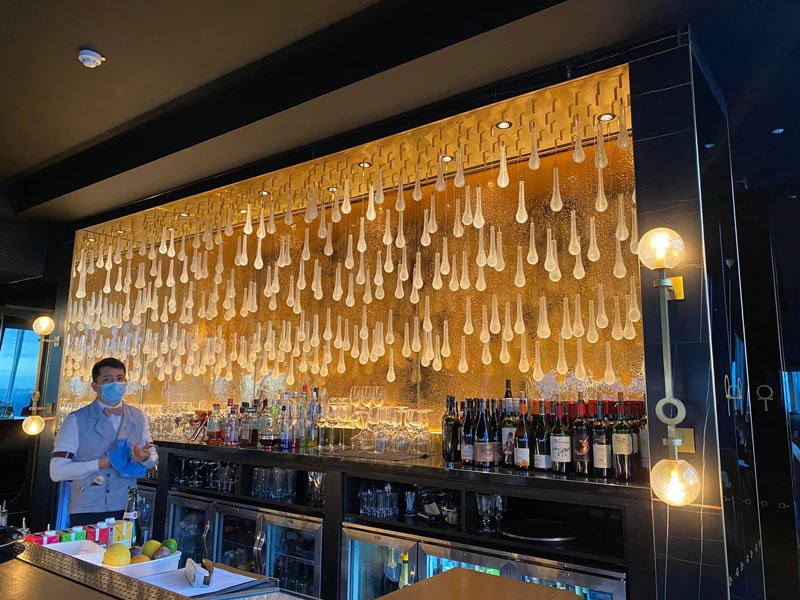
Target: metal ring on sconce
x,y
679,407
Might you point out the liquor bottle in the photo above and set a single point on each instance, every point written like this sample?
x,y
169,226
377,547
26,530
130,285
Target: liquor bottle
x,y
581,444
250,425
312,422
462,413
294,414
560,442
285,438
622,446
484,453
509,429
451,433
601,444
214,427
508,395
269,427
468,436
232,427
403,581
522,451
644,439
633,426
541,435
302,419
131,514
496,434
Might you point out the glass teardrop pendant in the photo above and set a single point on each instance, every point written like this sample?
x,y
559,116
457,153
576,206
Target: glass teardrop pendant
x,y
619,266
621,232
594,252
486,355
328,250
600,157
458,227
387,230
577,321
634,244
616,328
555,274
350,299
591,331
628,332
406,351
439,183
623,138
390,328
288,216
549,260
390,374
566,323
311,206
399,292
336,214
427,324
574,247
453,285
519,322
338,292
508,330
477,220
258,263
388,263
468,327
463,367
501,261
484,334
522,210
602,317
362,240
600,202
433,226
379,185
504,356
436,282
322,230
418,271
416,194
261,233
349,262
534,162
502,175
459,179
580,368
445,349
561,364
524,366
464,282
634,313
578,155
519,278
371,214
480,282
533,255
400,203
400,240
538,375
425,238
556,204
466,217
480,258
543,328
609,377
445,268
346,207
578,272
491,258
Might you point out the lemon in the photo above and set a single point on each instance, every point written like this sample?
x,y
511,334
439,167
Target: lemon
x,y
139,559
117,555
150,547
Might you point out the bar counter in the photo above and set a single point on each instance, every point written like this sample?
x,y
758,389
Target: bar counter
x,y
613,518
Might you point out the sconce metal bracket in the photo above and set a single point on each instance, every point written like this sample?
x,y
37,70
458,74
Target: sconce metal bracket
x,y
673,285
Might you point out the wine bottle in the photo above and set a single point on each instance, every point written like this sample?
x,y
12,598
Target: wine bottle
x,y
622,446
403,581
508,395
484,455
131,515
468,436
495,433
541,448
451,433
560,442
601,444
522,451
509,431
581,444
633,426
644,441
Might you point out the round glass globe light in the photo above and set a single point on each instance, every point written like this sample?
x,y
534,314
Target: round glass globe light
x,y
44,325
660,248
33,425
675,482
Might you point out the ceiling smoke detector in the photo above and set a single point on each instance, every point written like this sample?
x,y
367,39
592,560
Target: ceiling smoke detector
x,y
89,58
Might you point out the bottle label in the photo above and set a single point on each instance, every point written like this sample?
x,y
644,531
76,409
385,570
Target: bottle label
x,y
560,448
467,452
602,456
508,440
484,453
580,447
541,461
522,457
130,516
622,443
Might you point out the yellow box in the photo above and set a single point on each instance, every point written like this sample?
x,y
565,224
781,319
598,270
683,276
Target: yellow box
x,y
122,533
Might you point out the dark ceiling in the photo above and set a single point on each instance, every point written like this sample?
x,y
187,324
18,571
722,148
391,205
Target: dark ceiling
x,y
194,89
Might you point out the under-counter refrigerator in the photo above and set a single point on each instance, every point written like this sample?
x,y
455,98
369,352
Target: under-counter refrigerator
x,y
190,523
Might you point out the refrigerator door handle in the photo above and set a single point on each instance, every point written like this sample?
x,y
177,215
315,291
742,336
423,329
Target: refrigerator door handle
x,y
206,529
258,545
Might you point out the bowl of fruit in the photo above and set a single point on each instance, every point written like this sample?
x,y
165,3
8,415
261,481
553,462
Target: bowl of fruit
x,y
138,561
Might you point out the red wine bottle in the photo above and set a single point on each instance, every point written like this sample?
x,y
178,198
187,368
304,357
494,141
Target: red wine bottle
x,y
522,436
541,448
560,442
581,444
468,436
622,446
601,445
484,453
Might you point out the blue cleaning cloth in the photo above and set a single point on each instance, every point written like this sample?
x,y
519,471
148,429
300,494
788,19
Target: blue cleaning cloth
x,y
120,459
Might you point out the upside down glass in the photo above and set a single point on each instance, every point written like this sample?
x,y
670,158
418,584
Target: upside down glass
x,y
486,506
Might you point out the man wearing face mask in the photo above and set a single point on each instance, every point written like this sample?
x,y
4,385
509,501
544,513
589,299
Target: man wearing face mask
x,y
102,448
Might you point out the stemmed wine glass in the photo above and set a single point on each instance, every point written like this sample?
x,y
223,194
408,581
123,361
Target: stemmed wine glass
x,y
344,416
357,395
181,479
499,508
486,507
369,396
379,395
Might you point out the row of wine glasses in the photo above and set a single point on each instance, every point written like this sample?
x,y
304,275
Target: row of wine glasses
x,y
368,396
490,505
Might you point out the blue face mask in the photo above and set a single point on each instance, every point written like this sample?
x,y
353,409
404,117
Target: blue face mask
x,y
113,392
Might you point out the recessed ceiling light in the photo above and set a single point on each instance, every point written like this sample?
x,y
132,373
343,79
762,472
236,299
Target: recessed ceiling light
x,y
778,130
606,116
242,211
365,164
503,124
263,192
120,231
183,213
90,59
89,239
710,145
331,188
447,158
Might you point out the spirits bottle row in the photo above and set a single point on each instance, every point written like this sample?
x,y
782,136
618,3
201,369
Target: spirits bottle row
x,y
599,438
287,422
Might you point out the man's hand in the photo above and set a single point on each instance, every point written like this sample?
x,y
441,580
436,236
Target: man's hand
x,y
104,463
141,453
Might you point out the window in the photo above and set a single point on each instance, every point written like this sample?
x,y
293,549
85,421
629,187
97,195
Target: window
x,y
19,359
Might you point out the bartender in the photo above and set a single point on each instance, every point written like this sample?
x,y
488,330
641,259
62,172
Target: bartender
x,y
102,448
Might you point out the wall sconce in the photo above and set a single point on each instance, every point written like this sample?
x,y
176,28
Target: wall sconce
x,y
43,326
673,480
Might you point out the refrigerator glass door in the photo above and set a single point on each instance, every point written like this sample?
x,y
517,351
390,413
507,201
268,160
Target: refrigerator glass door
x,y
238,535
189,523
146,502
586,584
435,559
372,563
293,553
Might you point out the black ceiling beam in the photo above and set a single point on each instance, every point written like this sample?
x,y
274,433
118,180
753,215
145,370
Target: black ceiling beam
x,y
378,38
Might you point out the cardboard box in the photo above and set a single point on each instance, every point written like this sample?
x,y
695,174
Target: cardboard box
x,y
122,533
